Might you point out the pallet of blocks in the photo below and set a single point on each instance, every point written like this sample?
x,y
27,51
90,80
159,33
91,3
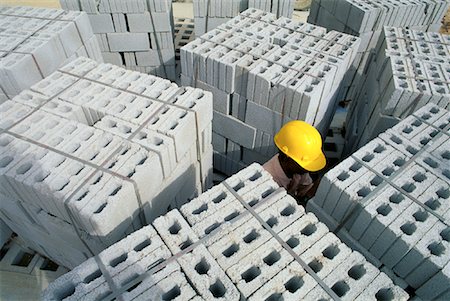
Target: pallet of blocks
x,y
411,69
244,239
209,14
35,42
137,35
264,71
94,152
366,19
391,201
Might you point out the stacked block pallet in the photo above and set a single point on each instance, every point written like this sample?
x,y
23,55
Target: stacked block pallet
x,y
242,239
263,72
391,201
184,33
411,69
209,14
94,152
137,35
36,41
366,19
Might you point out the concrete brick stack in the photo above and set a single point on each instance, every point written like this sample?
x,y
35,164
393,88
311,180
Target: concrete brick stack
x,y
366,19
183,33
263,72
209,14
391,201
411,69
34,42
214,248
94,152
137,35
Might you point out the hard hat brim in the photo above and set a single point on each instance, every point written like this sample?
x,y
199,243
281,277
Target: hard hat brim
x,y
319,163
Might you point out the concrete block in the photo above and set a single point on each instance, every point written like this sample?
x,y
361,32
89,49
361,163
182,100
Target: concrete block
x,y
129,41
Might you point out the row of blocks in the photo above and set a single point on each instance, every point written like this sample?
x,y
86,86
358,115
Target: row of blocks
x,y
35,42
213,248
264,71
137,35
392,197
209,14
93,151
366,19
411,69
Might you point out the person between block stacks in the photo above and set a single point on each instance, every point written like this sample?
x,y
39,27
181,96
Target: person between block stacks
x,y
300,156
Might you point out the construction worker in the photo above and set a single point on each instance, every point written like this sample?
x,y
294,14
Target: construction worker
x,y
300,155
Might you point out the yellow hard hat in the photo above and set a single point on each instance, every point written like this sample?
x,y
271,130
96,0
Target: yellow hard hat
x,y
303,143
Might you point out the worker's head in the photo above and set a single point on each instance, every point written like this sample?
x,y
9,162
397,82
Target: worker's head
x,y
301,143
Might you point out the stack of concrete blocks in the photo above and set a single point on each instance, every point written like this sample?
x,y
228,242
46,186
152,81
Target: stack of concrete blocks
x,y
214,248
391,201
94,152
36,41
333,145
183,34
411,68
366,19
263,72
137,35
209,14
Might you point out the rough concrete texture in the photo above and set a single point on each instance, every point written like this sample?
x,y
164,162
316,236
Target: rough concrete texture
x,y
265,70
94,152
239,259
403,221
47,40
136,35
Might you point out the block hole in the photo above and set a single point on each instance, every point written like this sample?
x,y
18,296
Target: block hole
x,y
239,186
251,236
315,265
116,261
376,181
175,228
23,259
49,265
408,228
231,250
340,288
202,267
289,210
172,294
357,272
255,177
409,187
436,248
293,242
419,177
355,167
231,216
379,149
433,204
443,193
446,155
363,192
294,284
412,150
219,198
132,288
309,229
272,221
385,294
24,168
218,290
368,157
212,228
399,162
407,130
388,171
65,292
5,161
420,216
272,258
396,198
251,274
91,277
185,244
142,245
275,297
100,208
253,202
343,176
445,234
331,252
384,210
267,193
200,209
